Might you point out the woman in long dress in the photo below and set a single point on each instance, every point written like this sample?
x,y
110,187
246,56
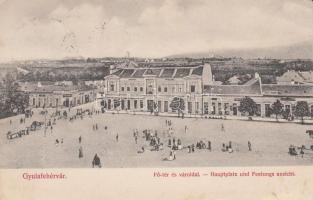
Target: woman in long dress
x,y
96,161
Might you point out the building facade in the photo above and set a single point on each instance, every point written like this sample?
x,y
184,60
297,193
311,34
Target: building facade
x,y
55,96
154,89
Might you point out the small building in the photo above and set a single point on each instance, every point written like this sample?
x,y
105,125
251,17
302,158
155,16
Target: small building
x,y
54,96
295,77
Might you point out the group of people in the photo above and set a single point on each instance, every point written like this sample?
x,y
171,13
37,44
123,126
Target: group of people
x,y
57,141
293,150
168,122
202,145
175,144
227,148
199,145
153,139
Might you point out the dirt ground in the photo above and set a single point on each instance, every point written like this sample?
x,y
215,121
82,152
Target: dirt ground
x,y
269,140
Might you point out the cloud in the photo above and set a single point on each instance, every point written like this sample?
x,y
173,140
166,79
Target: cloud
x,y
55,29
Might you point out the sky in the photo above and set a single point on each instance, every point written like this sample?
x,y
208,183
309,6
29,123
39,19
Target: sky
x,y
35,29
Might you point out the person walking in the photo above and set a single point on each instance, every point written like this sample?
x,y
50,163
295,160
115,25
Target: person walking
x,y
80,139
222,128
209,145
116,137
249,146
302,151
80,152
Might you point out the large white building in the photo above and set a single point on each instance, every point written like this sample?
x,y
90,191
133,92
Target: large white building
x,y
154,88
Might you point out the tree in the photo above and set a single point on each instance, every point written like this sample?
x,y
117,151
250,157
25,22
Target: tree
x,y
302,110
277,108
248,105
12,101
177,104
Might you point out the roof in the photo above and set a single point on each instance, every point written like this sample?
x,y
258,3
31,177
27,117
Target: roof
x,y
234,79
296,76
127,73
139,73
33,88
242,90
197,71
182,72
167,73
161,72
153,72
287,90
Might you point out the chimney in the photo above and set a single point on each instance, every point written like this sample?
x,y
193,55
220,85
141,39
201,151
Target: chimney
x,y
207,76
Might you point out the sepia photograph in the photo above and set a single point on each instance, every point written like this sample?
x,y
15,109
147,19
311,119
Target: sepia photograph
x,y
156,84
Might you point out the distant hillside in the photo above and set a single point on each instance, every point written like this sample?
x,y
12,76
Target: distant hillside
x,y
302,50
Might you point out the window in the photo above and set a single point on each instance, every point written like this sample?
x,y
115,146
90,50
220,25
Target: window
x,y
189,107
226,108
165,89
287,108
206,108
150,89
128,88
197,107
112,87
234,109
123,104
159,106
165,106
122,88
258,111
141,89
219,107
135,104
213,108
34,101
135,89
109,103
159,89
141,103
267,110
192,88
128,104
